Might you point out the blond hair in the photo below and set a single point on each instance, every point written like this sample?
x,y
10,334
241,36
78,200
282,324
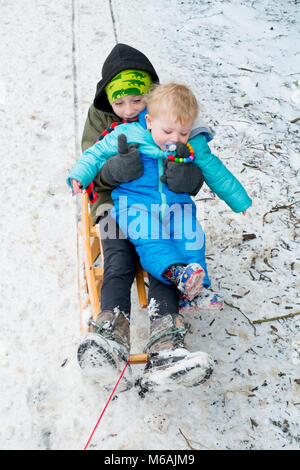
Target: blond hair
x,y
177,99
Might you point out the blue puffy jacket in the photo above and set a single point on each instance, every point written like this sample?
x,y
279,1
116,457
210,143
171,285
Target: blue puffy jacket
x,y
161,224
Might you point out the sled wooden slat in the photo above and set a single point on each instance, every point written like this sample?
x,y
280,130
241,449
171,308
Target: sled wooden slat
x,y
139,275
95,249
88,260
140,358
98,273
90,277
94,231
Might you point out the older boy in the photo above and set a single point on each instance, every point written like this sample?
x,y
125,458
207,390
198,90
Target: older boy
x,y
120,258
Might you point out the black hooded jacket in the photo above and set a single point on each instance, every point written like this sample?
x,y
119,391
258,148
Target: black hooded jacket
x,y
101,115
122,57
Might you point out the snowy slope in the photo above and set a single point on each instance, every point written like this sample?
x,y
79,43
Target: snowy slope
x,y
242,61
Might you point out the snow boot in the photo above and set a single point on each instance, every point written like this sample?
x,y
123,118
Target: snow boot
x,y
187,278
170,365
104,352
206,300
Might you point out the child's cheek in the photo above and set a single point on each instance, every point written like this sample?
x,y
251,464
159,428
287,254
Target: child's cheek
x,y
159,140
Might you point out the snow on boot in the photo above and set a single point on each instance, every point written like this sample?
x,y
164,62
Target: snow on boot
x,y
188,278
206,300
104,352
170,364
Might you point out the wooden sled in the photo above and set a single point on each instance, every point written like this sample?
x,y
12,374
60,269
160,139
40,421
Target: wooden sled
x,y
90,273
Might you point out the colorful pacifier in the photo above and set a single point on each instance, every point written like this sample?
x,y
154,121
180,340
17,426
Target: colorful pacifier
x,y
171,147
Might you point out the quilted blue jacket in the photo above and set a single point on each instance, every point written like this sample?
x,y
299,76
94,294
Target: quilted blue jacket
x,y
216,175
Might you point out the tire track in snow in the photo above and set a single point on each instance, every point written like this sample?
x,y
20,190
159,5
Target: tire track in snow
x,y
75,76
113,21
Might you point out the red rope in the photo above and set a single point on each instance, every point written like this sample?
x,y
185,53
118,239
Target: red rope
x,y
105,407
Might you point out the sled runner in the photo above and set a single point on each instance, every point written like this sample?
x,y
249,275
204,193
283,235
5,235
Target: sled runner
x,y
90,273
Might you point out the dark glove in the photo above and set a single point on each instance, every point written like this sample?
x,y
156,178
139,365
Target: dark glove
x,y
125,166
182,177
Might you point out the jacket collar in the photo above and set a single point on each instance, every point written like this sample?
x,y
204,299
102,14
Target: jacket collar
x,y
142,119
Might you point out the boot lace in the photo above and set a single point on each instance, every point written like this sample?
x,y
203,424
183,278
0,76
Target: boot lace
x,y
177,335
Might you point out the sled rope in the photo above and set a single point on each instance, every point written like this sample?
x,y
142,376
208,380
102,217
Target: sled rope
x,y
90,438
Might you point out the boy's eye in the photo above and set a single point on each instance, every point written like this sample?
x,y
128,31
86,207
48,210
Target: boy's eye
x,y
167,132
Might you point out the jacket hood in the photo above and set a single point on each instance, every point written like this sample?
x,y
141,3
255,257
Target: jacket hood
x,y
122,57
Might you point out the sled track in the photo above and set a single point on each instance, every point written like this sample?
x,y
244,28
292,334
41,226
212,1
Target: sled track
x,y
75,76
113,21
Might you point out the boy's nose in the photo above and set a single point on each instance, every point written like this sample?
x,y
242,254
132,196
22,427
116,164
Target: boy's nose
x,y
129,109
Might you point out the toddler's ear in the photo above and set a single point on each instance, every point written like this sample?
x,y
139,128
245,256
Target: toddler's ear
x,y
148,122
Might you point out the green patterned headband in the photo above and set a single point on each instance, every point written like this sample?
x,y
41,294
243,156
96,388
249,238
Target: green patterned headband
x,y
128,82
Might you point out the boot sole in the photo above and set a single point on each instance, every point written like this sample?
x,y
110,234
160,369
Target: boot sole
x,y
196,370
193,286
101,363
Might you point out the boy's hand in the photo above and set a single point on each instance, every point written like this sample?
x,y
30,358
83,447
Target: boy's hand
x,y
125,166
77,186
182,177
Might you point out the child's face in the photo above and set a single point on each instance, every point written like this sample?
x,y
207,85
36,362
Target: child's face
x,y
129,107
164,129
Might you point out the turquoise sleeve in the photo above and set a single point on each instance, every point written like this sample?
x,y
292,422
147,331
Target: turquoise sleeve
x,y
219,179
92,160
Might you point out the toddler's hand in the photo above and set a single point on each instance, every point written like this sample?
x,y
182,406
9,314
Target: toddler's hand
x,y
244,212
182,177
77,186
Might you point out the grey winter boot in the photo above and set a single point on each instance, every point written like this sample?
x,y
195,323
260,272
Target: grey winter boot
x,y
170,364
104,352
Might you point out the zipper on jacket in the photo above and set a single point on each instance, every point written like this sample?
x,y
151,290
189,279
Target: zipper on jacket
x,y
160,189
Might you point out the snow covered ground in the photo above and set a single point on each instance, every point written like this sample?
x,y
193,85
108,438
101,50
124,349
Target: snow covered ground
x,y
241,59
